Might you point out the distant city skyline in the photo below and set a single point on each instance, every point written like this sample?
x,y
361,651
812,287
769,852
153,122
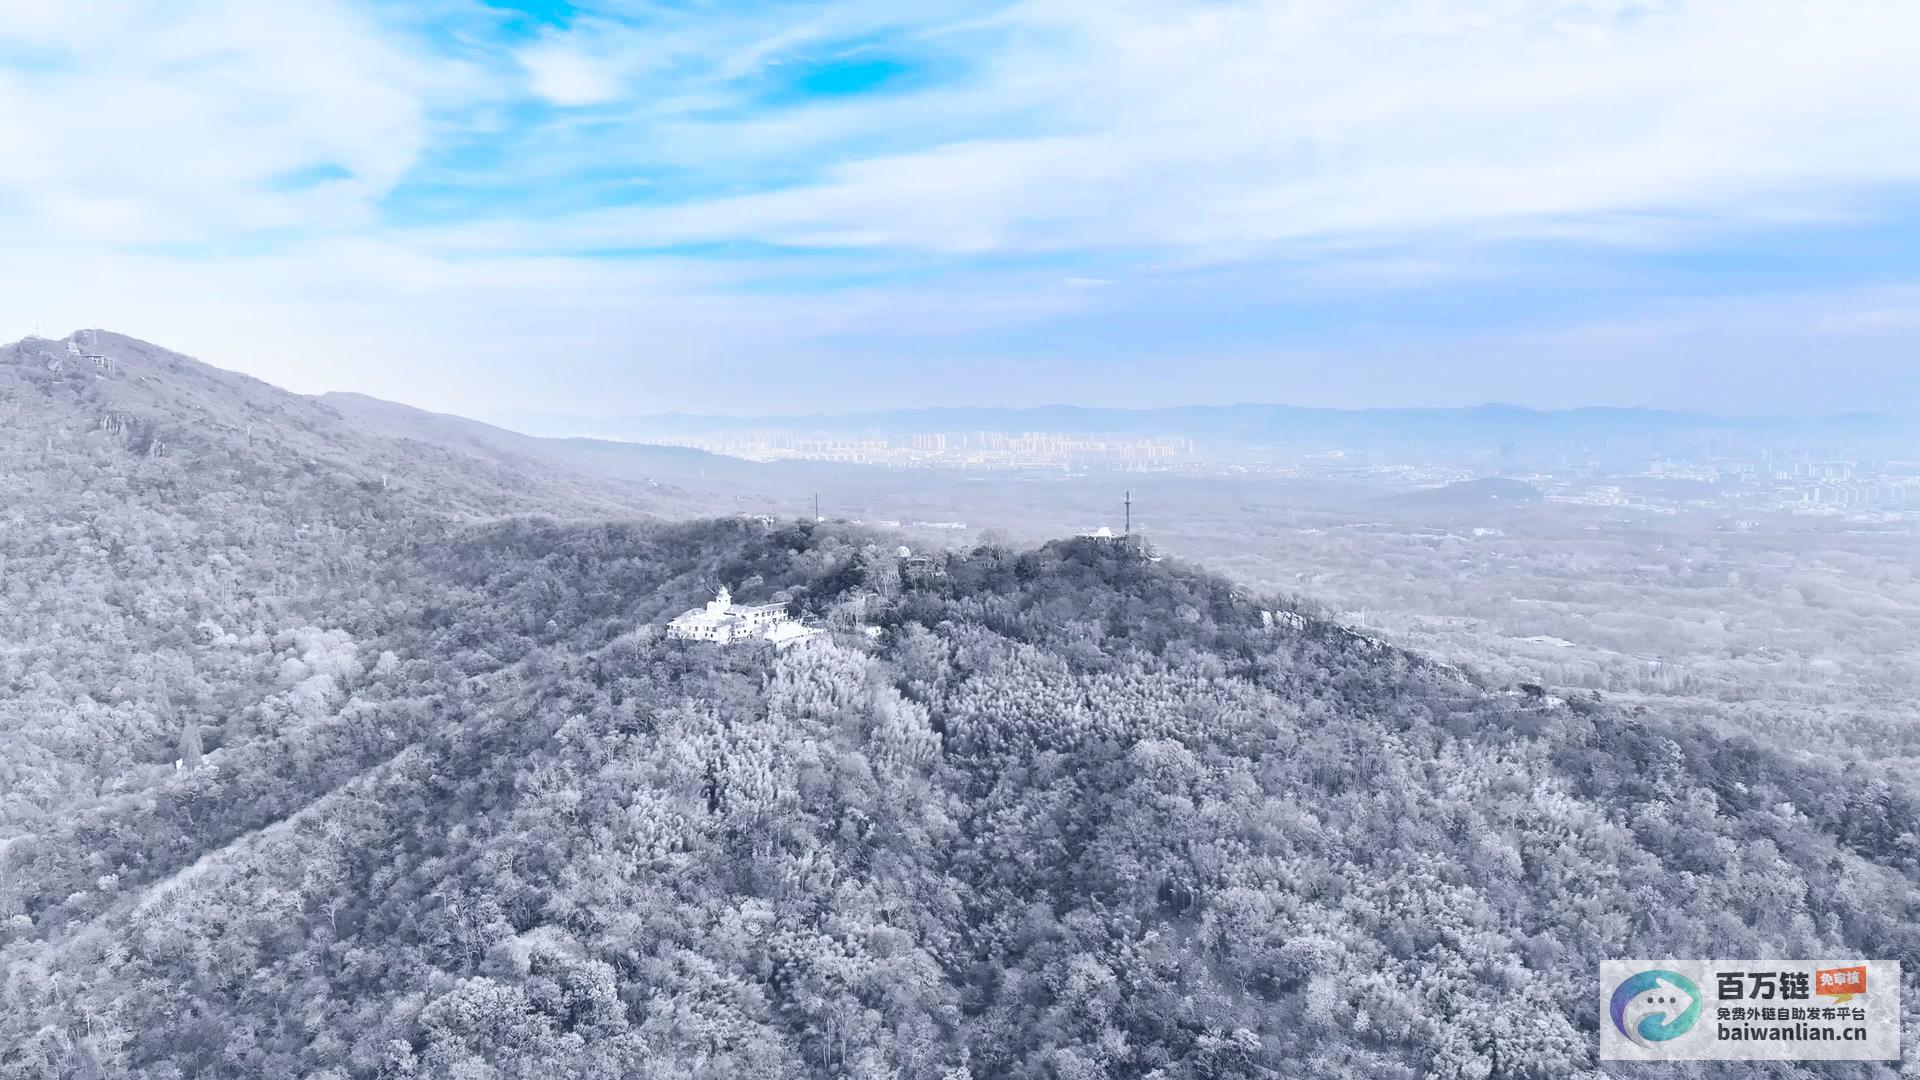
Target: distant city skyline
x,y
618,208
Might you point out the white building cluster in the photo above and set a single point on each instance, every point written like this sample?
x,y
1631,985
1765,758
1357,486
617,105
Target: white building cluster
x,y
724,622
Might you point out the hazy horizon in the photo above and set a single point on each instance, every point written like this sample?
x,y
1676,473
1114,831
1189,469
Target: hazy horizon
x,y
510,416
506,419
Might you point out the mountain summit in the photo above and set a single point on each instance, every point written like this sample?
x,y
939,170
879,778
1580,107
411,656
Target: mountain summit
x,y
97,392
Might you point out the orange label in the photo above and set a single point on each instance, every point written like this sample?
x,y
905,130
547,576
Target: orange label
x,y
1840,983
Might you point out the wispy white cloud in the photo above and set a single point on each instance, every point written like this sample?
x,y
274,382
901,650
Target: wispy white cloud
x,y
1078,125
198,121
567,75
1218,125
646,183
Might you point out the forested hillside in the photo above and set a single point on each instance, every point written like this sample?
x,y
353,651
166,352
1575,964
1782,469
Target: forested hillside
x,y
449,805
169,532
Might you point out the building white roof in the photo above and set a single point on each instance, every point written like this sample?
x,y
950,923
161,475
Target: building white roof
x,y
756,609
783,634
703,617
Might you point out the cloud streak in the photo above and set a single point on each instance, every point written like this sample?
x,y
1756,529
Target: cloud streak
x,y
835,182
1180,126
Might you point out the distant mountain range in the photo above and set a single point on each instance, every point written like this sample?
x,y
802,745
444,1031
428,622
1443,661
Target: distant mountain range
x,y
1239,426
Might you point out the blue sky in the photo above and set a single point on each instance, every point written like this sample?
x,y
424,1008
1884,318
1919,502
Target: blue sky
x,y
637,207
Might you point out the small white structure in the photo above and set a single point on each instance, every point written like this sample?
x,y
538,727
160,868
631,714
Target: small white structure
x,y
788,633
1105,539
725,622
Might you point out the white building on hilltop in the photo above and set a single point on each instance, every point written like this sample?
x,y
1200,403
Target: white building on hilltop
x,y
724,621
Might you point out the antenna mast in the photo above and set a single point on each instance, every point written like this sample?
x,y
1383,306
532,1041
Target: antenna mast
x,y
1129,511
